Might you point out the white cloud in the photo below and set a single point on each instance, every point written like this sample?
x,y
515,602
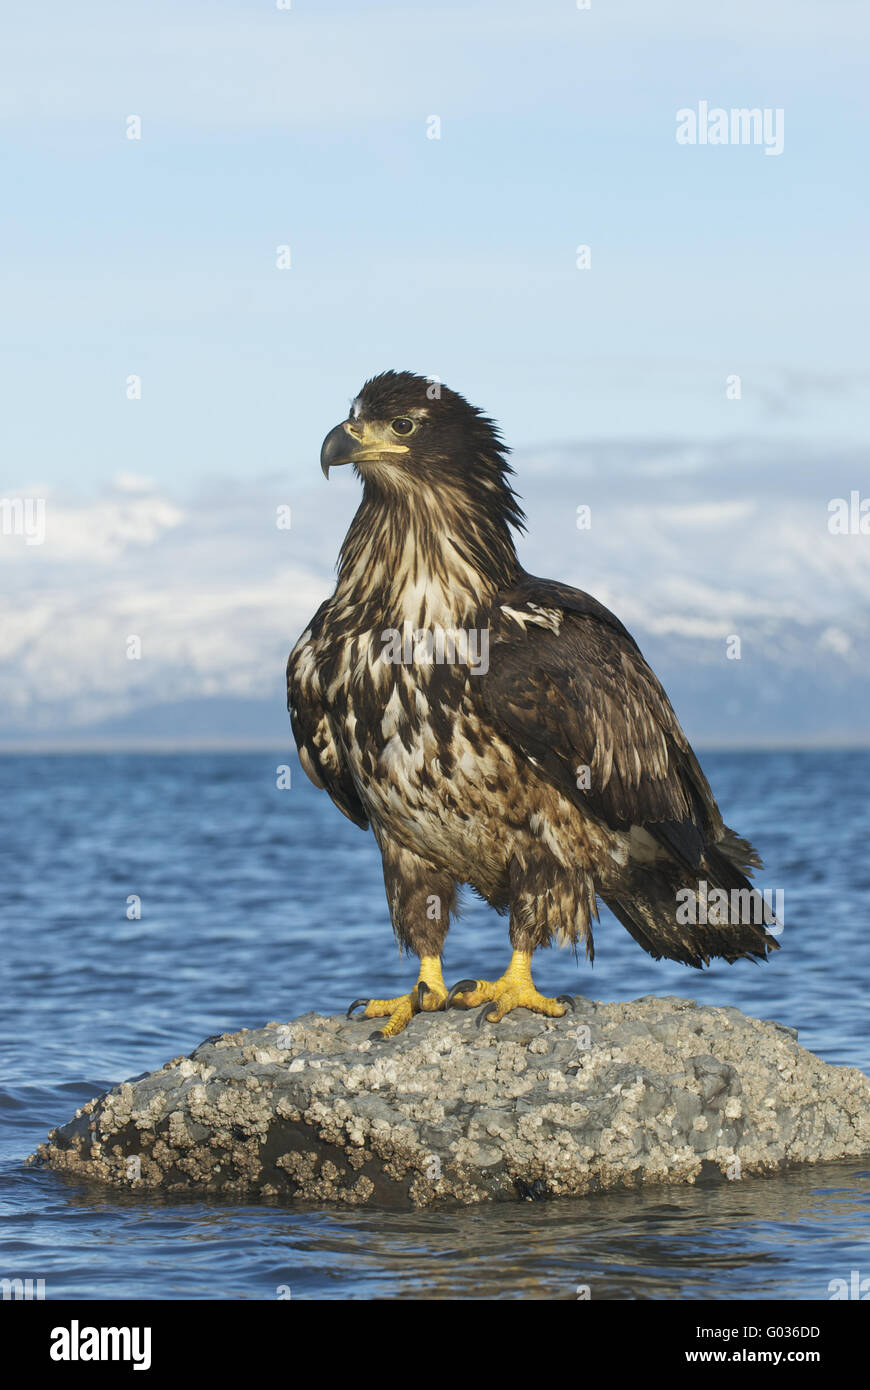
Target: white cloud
x,y
835,640
705,514
218,594
99,532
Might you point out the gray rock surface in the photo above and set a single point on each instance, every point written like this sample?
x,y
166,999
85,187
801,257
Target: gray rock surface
x,y
654,1091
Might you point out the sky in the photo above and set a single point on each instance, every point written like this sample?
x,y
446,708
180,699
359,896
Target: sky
x,y
309,128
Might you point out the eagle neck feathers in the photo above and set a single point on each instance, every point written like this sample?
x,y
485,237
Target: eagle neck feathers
x,y
434,555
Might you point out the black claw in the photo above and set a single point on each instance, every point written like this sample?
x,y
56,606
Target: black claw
x,y
567,999
459,988
355,1005
481,1017
422,988
377,1037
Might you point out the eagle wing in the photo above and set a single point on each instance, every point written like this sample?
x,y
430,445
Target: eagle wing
x,y
320,751
570,687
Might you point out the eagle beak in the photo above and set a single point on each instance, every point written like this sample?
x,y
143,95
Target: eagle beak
x,y
340,446
358,441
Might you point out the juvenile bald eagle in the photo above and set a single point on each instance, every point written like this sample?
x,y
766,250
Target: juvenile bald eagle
x,y
492,728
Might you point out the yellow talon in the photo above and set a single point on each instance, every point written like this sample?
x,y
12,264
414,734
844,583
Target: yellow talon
x,y
515,990
400,1010
429,995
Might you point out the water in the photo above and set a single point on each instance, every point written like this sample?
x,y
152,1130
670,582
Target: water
x,y
259,904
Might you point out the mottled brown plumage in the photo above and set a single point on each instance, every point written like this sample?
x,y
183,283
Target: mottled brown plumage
x,y
559,772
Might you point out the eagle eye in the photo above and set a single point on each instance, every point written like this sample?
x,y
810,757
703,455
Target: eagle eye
x,y
402,425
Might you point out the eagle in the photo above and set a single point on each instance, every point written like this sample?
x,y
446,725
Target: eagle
x,y
494,729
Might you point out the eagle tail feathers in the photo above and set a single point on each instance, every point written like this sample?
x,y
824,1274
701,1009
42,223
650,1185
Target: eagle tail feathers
x,y
714,912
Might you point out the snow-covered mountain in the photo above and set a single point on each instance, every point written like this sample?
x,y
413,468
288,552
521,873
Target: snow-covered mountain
x,y
692,545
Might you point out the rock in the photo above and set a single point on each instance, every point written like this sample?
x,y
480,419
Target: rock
x,y
654,1091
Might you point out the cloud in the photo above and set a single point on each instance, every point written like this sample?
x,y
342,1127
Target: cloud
x,y
216,592
792,393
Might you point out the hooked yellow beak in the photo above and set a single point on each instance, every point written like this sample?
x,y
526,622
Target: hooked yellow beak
x,y
354,441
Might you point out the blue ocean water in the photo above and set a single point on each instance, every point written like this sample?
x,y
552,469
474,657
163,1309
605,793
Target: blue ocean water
x,y
261,903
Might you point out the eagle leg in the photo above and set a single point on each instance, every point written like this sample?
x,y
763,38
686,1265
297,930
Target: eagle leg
x,y
429,995
515,990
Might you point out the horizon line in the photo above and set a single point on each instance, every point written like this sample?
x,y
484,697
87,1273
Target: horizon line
x,y
159,744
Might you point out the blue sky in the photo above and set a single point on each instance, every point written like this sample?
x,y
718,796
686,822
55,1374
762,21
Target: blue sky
x,y
456,256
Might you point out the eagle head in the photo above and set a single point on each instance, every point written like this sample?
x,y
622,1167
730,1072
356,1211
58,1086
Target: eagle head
x,y
409,434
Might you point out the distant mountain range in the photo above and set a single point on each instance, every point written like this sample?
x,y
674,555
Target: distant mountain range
x,y
692,545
